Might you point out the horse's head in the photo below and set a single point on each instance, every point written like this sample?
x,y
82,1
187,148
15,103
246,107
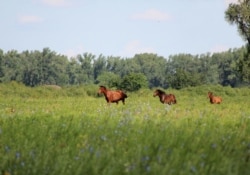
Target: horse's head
x,y
209,94
158,92
102,89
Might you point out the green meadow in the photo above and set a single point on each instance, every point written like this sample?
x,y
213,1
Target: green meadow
x,y
71,131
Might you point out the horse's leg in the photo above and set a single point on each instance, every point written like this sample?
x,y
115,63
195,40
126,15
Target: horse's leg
x,y
109,101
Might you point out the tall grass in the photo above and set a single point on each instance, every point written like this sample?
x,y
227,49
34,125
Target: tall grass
x,y
51,131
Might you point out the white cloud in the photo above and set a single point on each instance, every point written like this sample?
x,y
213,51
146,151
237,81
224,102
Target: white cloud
x,y
56,3
136,47
152,14
29,19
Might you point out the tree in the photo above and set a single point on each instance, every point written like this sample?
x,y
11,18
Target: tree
x,y
86,62
183,79
184,70
109,79
12,67
73,71
152,66
1,60
30,71
52,67
99,66
239,14
134,82
209,68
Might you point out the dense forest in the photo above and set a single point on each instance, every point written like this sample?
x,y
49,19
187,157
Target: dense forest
x,y
34,68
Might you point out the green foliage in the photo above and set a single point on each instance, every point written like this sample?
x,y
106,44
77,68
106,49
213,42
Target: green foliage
x,y
244,67
34,68
1,62
239,14
91,90
86,61
109,79
134,82
152,66
183,79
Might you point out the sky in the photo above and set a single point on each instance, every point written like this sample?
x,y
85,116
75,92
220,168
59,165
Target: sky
x,y
118,27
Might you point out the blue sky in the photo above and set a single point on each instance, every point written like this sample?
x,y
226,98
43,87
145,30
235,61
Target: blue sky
x,y
117,27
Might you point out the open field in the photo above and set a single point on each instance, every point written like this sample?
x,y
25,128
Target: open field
x,y
52,131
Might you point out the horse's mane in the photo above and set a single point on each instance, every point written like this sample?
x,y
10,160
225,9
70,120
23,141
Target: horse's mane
x,y
102,87
210,93
117,90
160,91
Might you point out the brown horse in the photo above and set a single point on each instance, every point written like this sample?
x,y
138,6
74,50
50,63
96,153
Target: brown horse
x,y
165,98
112,96
214,99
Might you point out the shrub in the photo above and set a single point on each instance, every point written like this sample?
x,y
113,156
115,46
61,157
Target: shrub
x,y
134,82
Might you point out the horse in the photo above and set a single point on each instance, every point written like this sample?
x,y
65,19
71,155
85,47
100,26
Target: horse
x,y
165,98
214,99
112,96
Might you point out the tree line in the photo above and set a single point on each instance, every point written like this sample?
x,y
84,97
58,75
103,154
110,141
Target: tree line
x,y
34,68
229,68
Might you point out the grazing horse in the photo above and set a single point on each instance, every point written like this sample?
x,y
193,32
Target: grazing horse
x,y
165,98
112,96
214,99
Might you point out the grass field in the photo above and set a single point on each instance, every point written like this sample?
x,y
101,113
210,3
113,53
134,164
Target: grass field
x,y
71,131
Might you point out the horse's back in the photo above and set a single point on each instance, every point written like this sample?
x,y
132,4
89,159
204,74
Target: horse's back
x,y
117,95
170,99
216,100
122,94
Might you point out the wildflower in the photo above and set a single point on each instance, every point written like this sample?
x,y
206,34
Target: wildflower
x,y
148,168
193,169
22,164
103,138
7,149
18,155
214,145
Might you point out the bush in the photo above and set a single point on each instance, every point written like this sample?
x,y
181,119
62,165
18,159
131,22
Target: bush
x,y
134,82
